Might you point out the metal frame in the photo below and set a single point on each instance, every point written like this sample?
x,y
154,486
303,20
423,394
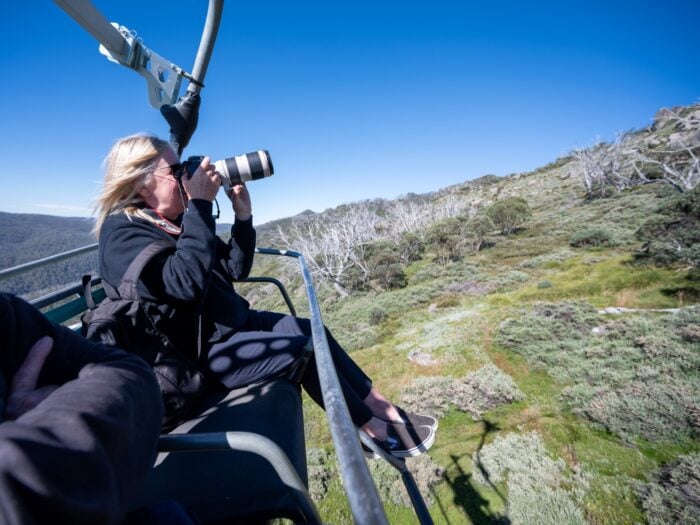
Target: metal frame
x,y
361,491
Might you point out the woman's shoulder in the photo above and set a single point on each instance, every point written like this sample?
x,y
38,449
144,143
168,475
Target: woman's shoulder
x,y
121,226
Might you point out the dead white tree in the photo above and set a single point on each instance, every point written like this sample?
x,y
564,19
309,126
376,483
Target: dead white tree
x,y
406,216
632,161
335,242
604,165
678,163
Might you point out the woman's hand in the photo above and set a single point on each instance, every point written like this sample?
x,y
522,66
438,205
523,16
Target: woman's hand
x,y
204,183
241,202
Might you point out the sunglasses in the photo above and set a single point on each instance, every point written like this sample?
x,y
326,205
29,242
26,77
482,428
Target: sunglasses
x,y
176,170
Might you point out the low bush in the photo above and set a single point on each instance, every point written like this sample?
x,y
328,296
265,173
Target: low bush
x,y
635,376
541,490
322,470
591,237
475,393
426,473
472,287
377,315
673,495
447,301
548,260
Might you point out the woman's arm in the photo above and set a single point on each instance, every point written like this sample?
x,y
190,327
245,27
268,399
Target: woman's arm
x,y
180,275
241,249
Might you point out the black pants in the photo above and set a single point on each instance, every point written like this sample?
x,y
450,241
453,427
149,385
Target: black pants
x,y
268,345
81,454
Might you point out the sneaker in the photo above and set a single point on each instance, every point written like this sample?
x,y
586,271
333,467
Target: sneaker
x,y
404,441
414,420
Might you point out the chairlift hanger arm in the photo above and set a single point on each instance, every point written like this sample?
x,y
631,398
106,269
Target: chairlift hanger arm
x,y
87,15
120,45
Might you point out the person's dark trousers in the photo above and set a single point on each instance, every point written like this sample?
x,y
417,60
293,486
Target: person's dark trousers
x,y
79,456
268,345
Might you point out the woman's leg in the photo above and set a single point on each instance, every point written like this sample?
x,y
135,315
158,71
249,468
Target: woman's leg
x,y
346,367
380,409
271,333
267,348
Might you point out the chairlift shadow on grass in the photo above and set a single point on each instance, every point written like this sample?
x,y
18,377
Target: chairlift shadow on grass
x,y
465,493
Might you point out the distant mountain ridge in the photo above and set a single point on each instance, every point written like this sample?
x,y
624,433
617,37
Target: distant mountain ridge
x,y
28,237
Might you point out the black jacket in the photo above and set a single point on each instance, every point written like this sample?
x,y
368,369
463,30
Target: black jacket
x,y
195,275
192,278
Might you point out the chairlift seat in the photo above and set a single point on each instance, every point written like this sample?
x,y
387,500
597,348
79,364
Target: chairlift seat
x,y
234,484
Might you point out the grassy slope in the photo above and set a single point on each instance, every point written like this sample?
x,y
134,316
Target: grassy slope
x,y
460,336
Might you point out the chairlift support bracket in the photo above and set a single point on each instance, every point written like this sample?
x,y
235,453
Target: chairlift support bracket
x,y
163,78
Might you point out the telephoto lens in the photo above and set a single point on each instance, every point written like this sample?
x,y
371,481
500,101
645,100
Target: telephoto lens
x,y
244,168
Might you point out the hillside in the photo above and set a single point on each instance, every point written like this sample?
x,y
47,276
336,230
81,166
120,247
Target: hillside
x,y
562,359
549,319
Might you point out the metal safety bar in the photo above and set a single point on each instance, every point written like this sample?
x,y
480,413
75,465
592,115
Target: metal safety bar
x,y
365,505
277,283
40,263
411,487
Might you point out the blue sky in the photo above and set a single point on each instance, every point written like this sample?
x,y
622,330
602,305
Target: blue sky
x,y
354,100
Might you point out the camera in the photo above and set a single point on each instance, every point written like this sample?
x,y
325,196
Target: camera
x,y
238,169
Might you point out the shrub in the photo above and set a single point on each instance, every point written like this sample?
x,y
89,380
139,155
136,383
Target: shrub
x,y
475,393
537,483
322,470
472,287
638,379
424,470
508,214
672,234
377,315
429,395
485,389
544,284
591,237
548,259
673,495
510,278
447,301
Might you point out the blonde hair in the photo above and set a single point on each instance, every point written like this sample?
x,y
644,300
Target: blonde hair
x,y
127,167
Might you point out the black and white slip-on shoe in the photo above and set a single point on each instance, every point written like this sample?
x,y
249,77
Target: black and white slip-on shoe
x,y
404,441
414,420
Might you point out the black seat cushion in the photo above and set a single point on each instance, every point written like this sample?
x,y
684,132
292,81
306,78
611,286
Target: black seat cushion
x,y
220,485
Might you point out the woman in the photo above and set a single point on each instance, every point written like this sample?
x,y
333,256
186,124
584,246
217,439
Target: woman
x,y
146,197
